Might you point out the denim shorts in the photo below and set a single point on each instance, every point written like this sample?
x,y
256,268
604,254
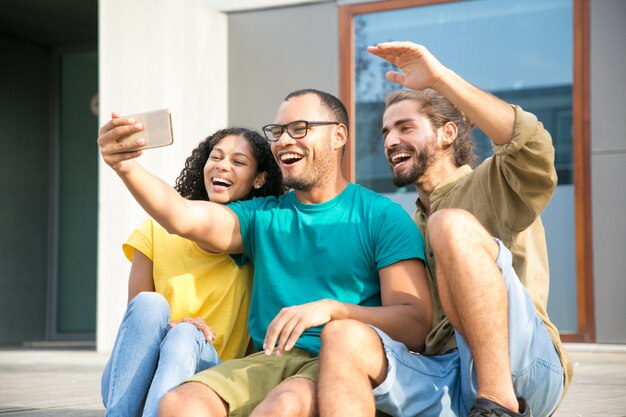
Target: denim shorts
x,y
445,385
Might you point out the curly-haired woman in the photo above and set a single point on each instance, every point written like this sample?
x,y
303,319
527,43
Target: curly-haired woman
x,y
188,308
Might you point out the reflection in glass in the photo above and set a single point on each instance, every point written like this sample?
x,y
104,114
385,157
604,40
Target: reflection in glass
x,y
519,50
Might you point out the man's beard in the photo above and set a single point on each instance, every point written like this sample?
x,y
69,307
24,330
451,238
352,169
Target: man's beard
x,y
301,183
422,161
314,176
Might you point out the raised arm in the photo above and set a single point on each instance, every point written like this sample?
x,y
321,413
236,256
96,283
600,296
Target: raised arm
x,y
405,315
213,226
421,70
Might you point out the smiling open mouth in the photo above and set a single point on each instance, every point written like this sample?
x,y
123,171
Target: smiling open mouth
x,y
399,157
290,158
222,182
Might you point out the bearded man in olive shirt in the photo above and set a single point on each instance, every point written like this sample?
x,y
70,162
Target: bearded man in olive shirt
x,y
493,350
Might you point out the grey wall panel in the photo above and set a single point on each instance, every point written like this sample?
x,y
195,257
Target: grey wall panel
x,y
273,52
608,167
24,187
609,246
608,74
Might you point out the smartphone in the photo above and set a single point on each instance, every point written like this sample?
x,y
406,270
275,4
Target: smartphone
x,y
157,128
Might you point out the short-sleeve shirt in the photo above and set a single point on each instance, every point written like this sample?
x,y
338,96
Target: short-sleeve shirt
x,y
198,284
333,250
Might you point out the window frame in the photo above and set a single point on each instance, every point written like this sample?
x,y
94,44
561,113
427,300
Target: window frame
x,y
581,138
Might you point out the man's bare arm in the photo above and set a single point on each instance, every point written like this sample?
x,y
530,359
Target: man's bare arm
x,y
405,315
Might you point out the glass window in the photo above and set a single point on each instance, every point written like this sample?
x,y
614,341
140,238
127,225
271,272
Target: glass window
x,y
519,50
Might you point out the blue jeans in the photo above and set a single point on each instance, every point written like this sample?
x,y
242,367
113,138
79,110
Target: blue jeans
x,y
149,358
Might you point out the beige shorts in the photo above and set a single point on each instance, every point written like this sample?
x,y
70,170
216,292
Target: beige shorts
x,y
244,383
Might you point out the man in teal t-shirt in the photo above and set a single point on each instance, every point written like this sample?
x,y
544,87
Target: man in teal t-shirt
x,y
329,250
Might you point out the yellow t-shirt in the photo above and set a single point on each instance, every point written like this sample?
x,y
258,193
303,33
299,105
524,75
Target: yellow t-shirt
x,y
198,284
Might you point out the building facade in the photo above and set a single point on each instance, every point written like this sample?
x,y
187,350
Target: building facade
x,y
65,214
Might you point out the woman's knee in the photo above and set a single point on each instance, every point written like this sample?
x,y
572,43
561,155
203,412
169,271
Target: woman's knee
x,y
184,338
149,307
149,300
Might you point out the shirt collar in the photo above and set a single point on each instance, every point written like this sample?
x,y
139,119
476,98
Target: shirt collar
x,y
443,187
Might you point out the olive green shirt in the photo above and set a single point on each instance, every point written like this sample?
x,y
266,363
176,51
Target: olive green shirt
x,y
506,193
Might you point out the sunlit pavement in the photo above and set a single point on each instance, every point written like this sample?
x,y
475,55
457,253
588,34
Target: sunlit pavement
x,y
66,382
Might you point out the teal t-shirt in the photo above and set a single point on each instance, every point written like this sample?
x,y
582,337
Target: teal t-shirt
x,y
308,252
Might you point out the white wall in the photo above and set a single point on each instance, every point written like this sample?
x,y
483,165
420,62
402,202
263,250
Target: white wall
x,y
152,54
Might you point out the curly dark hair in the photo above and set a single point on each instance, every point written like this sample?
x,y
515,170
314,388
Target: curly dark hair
x,y
190,182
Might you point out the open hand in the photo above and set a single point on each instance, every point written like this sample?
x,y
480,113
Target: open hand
x,y
209,333
291,322
420,69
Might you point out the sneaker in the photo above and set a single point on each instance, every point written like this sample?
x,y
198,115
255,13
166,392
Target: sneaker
x,y
486,408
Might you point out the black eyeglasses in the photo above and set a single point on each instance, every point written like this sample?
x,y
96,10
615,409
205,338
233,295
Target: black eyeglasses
x,y
297,129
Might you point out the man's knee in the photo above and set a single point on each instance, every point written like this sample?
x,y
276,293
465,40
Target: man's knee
x,y
291,402
172,404
349,346
192,399
451,229
346,335
448,222
295,397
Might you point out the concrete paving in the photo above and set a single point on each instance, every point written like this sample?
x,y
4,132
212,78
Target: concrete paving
x,y
62,382
50,383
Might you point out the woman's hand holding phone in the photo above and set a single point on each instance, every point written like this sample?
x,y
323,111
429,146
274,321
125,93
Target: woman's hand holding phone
x,y
123,138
